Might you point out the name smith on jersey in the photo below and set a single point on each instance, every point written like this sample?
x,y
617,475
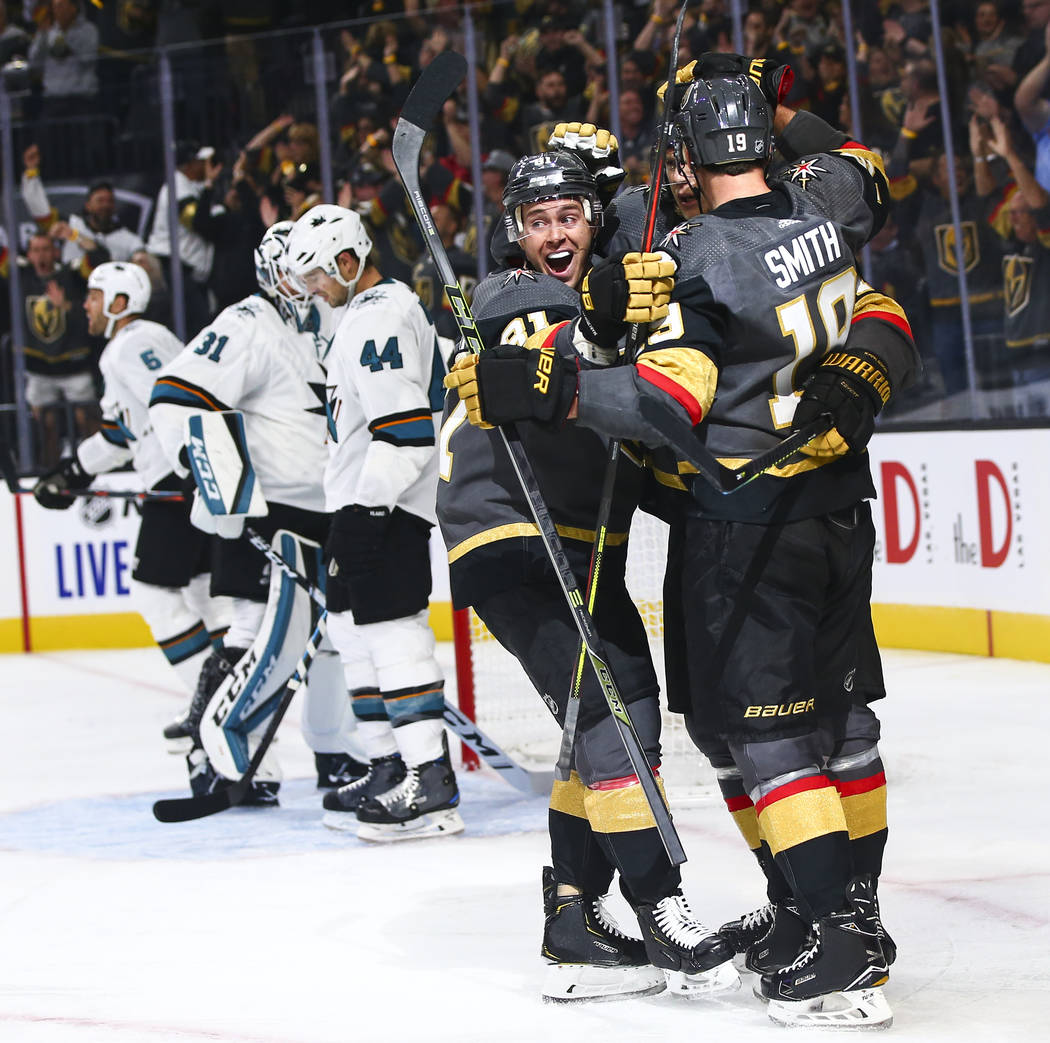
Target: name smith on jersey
x,y
804,254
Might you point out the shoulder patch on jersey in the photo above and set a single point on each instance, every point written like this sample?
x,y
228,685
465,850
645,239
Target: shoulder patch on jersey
x,y
672,238
804,171
371,294
517,274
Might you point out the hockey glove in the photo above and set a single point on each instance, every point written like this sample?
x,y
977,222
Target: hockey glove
x,y
631,287
356,539
509,382
68,476
775,81
851,389
599,151
682,78
596,147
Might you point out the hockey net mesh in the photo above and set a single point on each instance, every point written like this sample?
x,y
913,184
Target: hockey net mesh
x,y
507,707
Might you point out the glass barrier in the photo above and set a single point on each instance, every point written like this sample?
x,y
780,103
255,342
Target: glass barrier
x,y
252,122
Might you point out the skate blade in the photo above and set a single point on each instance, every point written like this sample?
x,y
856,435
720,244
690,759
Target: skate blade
x,y
723,978
586,983
435,824
179,747
855,1009
340,821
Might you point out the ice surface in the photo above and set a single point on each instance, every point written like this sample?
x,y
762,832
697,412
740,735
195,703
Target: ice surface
x,y
260,926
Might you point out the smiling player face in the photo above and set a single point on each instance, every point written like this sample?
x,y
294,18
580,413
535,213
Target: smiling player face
x,y
557,239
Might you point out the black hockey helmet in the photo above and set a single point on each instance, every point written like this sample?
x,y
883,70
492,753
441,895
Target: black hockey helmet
x,y
548,175
725,120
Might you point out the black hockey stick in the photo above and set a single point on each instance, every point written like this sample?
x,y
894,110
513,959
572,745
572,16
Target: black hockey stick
x,y
726,479
435,85
634,342
185,809
457,721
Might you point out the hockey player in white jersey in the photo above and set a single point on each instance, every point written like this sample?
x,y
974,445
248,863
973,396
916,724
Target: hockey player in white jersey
x,y
385,370
172,558
255,360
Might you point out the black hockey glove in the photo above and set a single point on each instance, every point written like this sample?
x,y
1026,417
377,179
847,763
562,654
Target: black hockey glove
x,y
625,288
67,476
356,539
509,382
851,389
774,80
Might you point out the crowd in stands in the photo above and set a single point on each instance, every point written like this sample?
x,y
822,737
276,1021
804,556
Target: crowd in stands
x,y
83,81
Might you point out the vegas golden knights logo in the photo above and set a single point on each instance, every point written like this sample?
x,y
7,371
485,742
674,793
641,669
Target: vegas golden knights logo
x,y
1017,283
424,287
946,247
46,322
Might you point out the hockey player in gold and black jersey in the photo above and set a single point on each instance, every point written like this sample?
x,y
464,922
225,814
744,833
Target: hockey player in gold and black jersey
x,y
598,819
776,578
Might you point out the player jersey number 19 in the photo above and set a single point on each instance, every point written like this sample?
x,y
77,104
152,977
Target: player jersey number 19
x,y
834,305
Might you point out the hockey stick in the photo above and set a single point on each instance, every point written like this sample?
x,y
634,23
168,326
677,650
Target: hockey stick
x,y
10,475
457,721
726,479
634,341
435,85
184,809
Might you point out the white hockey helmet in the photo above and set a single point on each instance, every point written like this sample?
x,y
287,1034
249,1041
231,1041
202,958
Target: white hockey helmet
x,y
321,235
273,276
115,278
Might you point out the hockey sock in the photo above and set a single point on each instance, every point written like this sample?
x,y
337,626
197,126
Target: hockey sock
x,y
861,781
742,810
420,740
176,627
803,824
578,858
373,725
623,824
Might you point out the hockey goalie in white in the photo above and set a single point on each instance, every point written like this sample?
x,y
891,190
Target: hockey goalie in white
x,y
385,369
255,371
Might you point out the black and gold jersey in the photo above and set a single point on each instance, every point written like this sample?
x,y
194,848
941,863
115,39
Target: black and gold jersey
x,y
489,532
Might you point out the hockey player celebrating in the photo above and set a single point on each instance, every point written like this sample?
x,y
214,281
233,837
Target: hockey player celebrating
x,y
255,360
776,580
598,821
384,386
172,558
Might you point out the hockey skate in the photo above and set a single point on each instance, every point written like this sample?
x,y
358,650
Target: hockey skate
x,y
337,769
835,981
423,804
590,957
204,779
768,938
181,734
696,961
340,805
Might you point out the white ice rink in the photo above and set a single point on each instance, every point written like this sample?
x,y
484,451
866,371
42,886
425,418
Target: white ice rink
x,y
260,926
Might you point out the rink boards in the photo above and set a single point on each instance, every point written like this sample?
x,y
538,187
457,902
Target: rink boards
x,y
962,558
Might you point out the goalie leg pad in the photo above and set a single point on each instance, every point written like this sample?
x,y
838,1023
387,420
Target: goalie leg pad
x,y
328,723
250,693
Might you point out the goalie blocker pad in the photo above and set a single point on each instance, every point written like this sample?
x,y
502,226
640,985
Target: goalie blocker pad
x,y
249,695
221,465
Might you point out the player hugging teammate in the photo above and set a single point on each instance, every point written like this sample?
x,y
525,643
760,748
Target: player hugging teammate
x,y
773,583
